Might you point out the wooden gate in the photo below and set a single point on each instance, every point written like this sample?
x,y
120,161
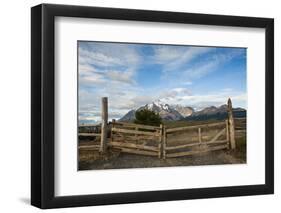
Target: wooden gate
x,y
136,138
190,140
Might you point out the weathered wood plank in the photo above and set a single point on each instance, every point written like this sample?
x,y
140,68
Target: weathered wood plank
x,y
131,140
134,138
241,119
104,119
194,144
139,152
160,146
199,135
135,146
240,128
89,147
89,125
164,142
216,142
231,125
218,135
182,146
227,134
194,127
137,125
181,154
241,131
182,140
90,134
114,129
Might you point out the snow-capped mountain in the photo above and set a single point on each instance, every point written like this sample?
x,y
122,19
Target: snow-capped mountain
x,y
177,112
165,111
185,111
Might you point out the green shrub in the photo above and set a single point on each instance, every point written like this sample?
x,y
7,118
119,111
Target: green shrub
x,y
147,117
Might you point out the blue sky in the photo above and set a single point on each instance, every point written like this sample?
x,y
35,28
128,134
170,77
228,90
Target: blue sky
x,y
132,75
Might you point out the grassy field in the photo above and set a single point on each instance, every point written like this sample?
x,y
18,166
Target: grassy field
x,y
90,159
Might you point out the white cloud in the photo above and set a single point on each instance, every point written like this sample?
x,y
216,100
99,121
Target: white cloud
x,y
187,83
200,101
93,79
125,77
164,54
97,58
211,64
175,56
187,56
201,69
186,67
175,59
100,62
173,94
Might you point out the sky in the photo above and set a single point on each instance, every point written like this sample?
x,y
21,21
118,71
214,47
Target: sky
x,y
132,75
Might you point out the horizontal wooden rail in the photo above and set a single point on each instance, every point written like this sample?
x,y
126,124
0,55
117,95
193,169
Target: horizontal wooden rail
x,y
133,137
177,129
243,119
187,139
137,132
181,146
215,142
241,131
90,134
195,144
136,125
238,127
89,147
89,125
180,154
139,152
135,146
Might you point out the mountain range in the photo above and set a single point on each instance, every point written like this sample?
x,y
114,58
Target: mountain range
x,y
177,112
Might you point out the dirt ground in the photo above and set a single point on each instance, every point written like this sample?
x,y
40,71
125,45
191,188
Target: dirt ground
x,y
125,160
92,160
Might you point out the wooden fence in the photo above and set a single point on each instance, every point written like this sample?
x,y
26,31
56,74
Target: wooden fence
x,y
90,131
162,141
136,139
183,147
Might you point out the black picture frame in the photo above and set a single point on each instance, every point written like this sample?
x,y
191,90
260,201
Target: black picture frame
x,y
43,105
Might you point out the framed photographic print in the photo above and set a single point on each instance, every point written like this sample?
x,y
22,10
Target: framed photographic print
x,y
139,106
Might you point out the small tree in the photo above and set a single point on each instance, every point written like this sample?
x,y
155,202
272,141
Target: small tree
x,y
147,117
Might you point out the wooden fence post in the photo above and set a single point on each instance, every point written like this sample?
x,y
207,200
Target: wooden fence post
x,y
160,146
136,135
231,125
227,133
112,126
164,142
200,139
104,119
199,136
